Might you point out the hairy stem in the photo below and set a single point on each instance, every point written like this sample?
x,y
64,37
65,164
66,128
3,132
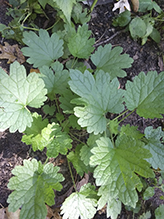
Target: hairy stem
x,y
70,170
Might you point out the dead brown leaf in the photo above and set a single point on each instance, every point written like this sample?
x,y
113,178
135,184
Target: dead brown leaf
x,y
12,53
3,213
52,214
160,63
82,182
135,5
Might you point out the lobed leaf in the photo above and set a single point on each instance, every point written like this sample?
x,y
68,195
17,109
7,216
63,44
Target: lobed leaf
x,y
99,95
79,45
17,91
109,60
55,83
155,146
66,6
42,134
33,185
42,49
146,94
79,205
117,167
75,159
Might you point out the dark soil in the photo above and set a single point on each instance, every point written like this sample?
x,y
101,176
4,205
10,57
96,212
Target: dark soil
x,y
146,58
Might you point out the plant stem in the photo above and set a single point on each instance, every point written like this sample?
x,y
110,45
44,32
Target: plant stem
x,y
72,175
126,116
46,160
57,104
93,5
120,115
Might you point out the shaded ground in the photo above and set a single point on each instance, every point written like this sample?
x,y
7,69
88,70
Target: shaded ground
x,y
146,58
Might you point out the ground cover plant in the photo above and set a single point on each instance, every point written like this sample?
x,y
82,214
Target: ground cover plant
x,y
74,96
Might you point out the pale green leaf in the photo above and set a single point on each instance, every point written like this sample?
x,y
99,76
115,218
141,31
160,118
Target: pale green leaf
x,y
146,94
42,49
110,60
79,45
55,83
42,134
159,212
155,146
33,186
33,135
79,205
60,141
17,91
99,95
117,167
66,7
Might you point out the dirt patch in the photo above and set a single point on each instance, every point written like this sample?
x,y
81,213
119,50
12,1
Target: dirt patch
x,y
146,58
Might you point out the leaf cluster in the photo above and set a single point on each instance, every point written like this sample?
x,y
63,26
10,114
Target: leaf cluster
x,y
73,98
145,23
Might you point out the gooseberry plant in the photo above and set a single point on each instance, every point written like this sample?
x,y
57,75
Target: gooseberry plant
x,y
75,97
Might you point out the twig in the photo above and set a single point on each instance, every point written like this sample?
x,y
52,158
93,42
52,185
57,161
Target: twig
x,y
107,40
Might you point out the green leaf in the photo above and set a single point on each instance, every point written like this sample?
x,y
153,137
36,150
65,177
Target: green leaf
x,y
60,143
73,122
33,186
155,35
146,94
66,7
137,28
146,5
122,19
79,45
110,60
49,110
2,27
42,134
148,193
159,212
66,101
85,152
79,205
17,91
55,83
113,204
117,167
34,135
131,131
42,49
74,158
79,15
99,95
155,146
43,3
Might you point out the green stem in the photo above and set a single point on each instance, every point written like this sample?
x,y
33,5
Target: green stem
x,y
28,15
46,161
30,28
72,175
53,24
76,138
126,116
120,115
57,104
93,5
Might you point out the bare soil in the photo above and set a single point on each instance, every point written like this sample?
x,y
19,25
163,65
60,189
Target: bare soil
x,y
146,58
